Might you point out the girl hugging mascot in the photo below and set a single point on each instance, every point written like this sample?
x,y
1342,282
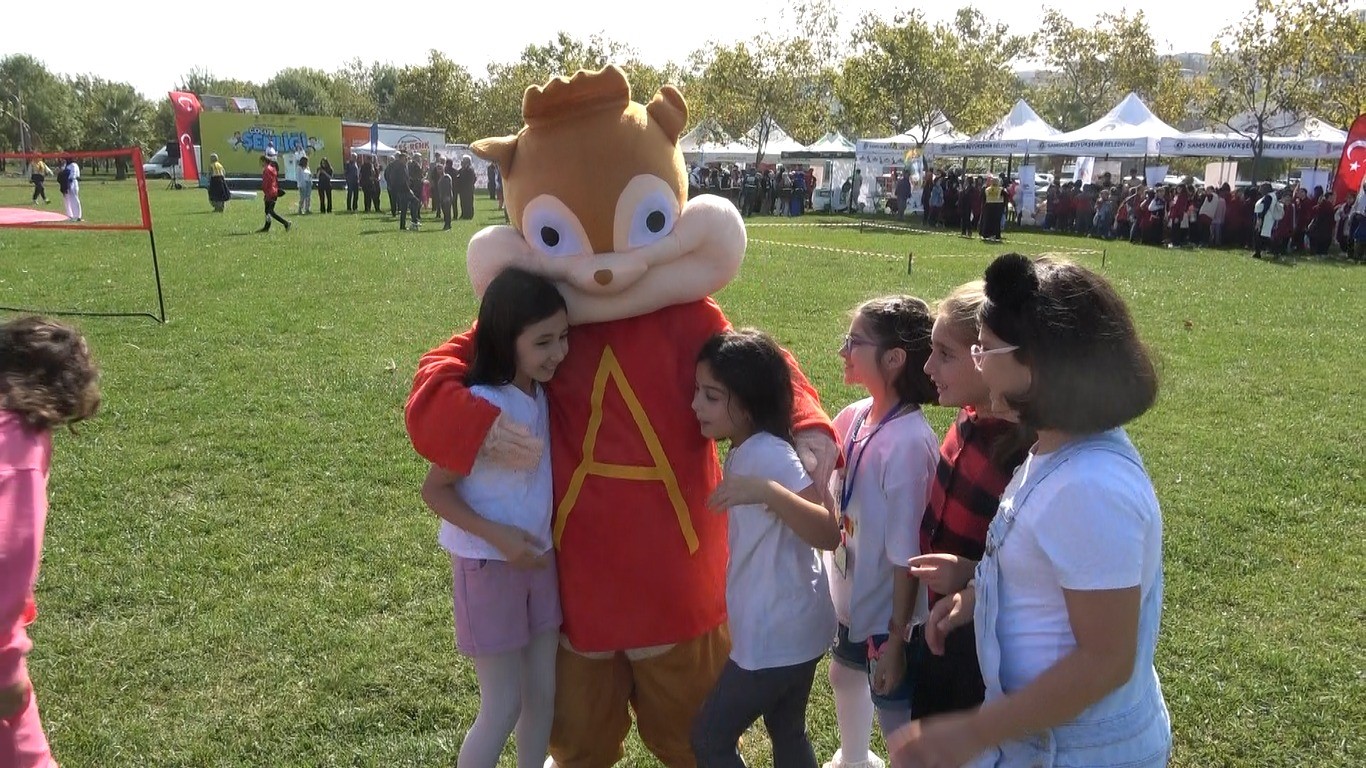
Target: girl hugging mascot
x,y
596,192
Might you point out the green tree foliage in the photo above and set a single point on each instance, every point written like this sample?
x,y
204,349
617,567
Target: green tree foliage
x,y
439,93
113,115
1268,67
47,104
299,91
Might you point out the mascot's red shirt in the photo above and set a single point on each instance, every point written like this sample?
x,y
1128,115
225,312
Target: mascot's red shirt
x,y
630,465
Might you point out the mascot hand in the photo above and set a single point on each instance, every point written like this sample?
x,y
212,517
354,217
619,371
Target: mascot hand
x,y
818,454
511,445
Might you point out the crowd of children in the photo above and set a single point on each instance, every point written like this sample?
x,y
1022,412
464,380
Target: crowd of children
x,y
993,596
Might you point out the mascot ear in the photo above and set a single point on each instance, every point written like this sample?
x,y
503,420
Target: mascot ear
x,y
670,111
497,150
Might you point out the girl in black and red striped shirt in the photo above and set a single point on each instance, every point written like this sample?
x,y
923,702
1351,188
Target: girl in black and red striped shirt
x,y
976,460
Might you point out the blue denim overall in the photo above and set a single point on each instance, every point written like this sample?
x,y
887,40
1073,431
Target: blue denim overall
x,y
1130,727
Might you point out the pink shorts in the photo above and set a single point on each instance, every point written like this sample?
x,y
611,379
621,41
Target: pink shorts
x,y
499,608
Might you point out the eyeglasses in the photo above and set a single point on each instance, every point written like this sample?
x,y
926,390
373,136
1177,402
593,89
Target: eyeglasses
x,y
978,354
851,342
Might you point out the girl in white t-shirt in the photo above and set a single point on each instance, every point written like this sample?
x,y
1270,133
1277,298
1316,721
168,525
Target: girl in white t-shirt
x,y
777,598
1067,600
496,526
890,452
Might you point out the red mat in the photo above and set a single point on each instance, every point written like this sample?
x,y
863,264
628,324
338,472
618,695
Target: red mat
x,y
16,216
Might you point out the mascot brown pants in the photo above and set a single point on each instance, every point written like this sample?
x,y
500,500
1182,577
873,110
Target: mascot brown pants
x,y
594,698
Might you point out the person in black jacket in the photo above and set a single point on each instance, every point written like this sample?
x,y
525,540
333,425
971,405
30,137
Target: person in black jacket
x,y
444,191
464,187
352,172
324,185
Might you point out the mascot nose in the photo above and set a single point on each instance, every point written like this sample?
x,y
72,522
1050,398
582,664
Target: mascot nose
x,y
603,276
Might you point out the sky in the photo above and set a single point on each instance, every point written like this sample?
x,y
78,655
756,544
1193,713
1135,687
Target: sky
x,y
158,42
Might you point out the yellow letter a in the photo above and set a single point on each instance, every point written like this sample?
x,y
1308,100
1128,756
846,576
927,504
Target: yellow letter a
x,y
659,471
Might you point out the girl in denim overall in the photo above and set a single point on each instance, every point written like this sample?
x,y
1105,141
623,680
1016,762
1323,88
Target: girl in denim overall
x,y
1067,600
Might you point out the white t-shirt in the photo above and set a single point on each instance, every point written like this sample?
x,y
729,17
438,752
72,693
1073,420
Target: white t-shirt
x,y
522,498
75,183
777,595
882,520
1093,524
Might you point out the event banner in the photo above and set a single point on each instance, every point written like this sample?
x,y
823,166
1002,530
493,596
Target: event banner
x,y
1155,175
241,139
187,109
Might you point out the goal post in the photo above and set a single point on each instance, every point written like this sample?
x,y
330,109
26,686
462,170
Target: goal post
x,y
46,175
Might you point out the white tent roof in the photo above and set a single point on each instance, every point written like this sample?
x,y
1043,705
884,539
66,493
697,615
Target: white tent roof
x,y
1017,133
704,139
892,150
779,141
378,148
832,145
832,141
1128,130
1284,125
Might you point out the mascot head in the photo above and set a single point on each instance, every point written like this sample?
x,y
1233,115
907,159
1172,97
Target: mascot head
x,y
596,192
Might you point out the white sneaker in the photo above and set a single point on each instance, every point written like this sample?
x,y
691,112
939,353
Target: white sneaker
x,y
837,761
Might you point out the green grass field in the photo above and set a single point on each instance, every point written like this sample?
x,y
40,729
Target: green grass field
x,y
239,571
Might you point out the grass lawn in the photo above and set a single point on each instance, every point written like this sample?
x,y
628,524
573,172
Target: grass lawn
x,y
239,571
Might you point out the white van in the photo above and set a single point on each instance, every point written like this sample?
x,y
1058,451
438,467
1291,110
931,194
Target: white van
x,y
159,165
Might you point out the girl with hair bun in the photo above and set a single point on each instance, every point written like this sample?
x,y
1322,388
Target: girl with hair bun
x,y
1067,599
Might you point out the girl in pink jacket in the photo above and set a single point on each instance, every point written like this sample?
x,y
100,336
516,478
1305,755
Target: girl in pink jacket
x,y
47,379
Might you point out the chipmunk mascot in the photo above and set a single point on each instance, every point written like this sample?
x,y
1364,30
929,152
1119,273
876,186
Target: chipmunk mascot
x,y
596,193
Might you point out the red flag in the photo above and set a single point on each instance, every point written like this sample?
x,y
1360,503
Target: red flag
x,y
187,109
1352,166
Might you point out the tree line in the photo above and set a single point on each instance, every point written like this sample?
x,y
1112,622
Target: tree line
x,y
892,74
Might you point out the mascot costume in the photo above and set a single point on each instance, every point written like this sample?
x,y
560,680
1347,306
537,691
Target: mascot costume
x,y
596,194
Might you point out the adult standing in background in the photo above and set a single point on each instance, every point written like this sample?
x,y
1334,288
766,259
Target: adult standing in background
x,y
445,192
69,182
464,187
324,186
367,184
218,184
492,178
352,173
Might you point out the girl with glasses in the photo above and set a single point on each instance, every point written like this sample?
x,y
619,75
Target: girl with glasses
x,y
1067,599
890,452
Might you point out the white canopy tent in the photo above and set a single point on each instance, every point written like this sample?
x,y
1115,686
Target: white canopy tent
x,y
1128,130
779,141
378,148
1017,133
873,156
832,145
1284,137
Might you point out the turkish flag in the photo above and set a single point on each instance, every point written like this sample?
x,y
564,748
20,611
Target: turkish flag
x,y
187,109
1352,166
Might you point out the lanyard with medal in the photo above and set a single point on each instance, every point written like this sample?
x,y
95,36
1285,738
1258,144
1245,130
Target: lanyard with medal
x,y
851,464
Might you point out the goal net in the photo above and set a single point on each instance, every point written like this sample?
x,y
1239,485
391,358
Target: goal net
x,y
74,243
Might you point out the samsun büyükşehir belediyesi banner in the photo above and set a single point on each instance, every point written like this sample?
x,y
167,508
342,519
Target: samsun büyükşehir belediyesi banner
x,y
241,139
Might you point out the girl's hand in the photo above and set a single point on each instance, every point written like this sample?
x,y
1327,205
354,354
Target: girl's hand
x,y
891,667
942,574
945,741
735,490
519,548
949,614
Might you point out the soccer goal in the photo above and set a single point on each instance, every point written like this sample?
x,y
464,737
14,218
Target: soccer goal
x,y
87,203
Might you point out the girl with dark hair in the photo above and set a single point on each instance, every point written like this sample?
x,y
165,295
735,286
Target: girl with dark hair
x,y
889,459
496,527
777,597
47,379
976,459
1067,599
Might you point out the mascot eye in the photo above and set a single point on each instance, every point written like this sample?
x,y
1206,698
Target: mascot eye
x,y
552,229
652,216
